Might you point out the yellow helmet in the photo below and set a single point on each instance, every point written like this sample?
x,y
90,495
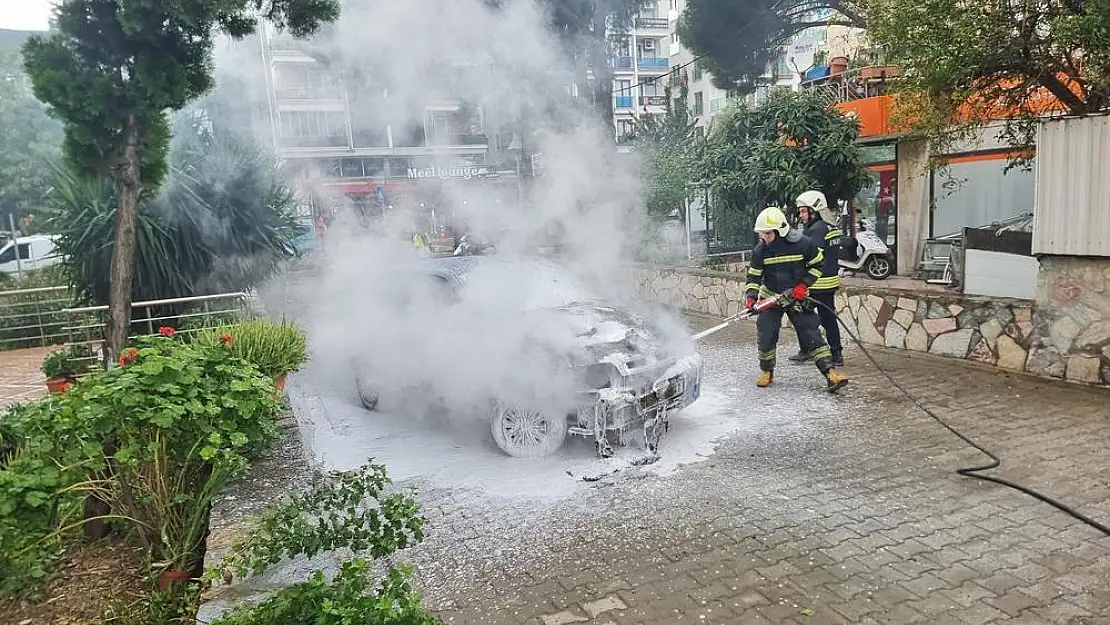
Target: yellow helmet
x,y
772,218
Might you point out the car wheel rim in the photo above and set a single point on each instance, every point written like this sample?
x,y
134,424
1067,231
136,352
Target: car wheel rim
x,y
524,428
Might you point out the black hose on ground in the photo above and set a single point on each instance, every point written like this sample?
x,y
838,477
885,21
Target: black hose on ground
x,y
972,472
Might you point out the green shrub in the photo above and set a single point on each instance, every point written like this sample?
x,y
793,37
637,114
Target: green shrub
x,y
340,511
35,496
343,601
69,362
275,348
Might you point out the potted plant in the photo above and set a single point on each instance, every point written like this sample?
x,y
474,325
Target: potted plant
x,y
277,349
62,367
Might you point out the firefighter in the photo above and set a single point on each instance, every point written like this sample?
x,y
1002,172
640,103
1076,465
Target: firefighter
x,y
819,224
787,262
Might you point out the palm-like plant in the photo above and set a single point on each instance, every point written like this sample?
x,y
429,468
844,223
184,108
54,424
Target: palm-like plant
x,y
222,222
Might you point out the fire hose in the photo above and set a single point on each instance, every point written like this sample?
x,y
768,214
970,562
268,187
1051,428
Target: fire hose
x,y
972,472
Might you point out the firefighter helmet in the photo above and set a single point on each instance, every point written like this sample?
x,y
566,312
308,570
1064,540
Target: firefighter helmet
x,y
815,200
772,218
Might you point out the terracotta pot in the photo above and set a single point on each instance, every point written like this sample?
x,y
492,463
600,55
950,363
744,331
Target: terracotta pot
x,y
170,577
838,64
879,71
58,386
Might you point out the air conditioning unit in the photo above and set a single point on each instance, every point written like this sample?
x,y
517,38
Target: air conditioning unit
x,y
649,45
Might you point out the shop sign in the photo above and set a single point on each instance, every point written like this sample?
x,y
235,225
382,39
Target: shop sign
x,y
447,173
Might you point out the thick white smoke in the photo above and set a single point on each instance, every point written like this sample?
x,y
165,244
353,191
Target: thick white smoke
x,y
373,304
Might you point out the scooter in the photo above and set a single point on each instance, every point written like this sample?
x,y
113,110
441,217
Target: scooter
x,y
865,251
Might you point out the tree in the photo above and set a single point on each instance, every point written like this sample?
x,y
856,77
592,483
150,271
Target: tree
x,y
668,145
738,39
987,60
768,154
222,222
29,140
111,69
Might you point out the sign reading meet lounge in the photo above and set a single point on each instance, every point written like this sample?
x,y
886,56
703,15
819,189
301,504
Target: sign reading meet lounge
x,y
448,173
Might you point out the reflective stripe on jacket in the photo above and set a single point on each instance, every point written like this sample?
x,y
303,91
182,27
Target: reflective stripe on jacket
x,y
828,239
789,261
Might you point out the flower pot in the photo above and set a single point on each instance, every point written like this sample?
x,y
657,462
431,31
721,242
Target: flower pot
x,y
58,386
171,576
838,64
879,71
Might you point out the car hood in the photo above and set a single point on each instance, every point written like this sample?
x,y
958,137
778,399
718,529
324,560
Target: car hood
x,y
593,332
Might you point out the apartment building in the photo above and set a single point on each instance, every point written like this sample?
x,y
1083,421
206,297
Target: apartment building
x,y
640,66
333,138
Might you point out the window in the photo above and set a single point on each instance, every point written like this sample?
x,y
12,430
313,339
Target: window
x,y
313,124
699,104
352,168
696,73
8,255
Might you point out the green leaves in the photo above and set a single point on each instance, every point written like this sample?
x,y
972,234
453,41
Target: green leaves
x,y
738,40
769,154
1005,60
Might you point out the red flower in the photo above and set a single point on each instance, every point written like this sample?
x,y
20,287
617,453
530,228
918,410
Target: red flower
x,y
166,331
225,339
128,356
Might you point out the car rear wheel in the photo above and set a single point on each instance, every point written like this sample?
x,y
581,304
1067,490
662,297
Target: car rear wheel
x,y
524,432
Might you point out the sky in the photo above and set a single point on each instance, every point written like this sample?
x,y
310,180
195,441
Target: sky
x,y
25,14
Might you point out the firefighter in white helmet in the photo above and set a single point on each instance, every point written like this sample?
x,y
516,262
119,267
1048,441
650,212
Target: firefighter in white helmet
x,y
819,223
785,261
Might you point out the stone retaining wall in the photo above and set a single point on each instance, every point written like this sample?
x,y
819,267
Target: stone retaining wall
x,y
1011,334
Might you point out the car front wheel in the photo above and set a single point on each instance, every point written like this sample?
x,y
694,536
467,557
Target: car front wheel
x,y
524,432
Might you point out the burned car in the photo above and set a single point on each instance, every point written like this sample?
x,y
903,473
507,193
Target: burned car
x,y
627,376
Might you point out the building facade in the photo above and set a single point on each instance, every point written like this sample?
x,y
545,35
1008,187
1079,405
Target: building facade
x,y
330,135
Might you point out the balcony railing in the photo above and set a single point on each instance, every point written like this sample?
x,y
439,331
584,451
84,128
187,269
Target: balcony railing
x,y
313,142
652,22
622,102
854,84
622,62
653,100
308,93
653,62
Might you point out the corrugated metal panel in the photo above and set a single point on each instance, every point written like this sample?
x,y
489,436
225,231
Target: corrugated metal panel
x,y
1000,275
1072,206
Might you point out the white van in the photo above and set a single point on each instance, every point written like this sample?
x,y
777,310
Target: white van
x,y
35,252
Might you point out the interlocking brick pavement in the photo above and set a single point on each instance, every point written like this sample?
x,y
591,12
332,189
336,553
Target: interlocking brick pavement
x,y
824,510
21,376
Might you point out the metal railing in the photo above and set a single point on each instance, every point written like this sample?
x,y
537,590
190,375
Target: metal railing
x,y
652,22
33,317
623,102
85,325
853,84
653,62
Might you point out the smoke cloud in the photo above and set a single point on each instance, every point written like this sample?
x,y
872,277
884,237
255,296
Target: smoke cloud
x,y
373,304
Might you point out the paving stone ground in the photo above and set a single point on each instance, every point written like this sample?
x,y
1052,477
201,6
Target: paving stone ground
x,y
21,376
845,515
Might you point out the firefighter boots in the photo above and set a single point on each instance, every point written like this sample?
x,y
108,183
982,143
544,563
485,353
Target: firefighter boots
x,y
765,378
836,380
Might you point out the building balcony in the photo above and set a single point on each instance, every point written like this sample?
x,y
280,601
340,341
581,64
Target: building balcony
x,y
653,100
333,142
854,84
307,94
623,102
654,24
622,62
653,63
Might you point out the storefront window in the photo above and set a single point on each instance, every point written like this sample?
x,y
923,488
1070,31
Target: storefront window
x,y
878,203
976,192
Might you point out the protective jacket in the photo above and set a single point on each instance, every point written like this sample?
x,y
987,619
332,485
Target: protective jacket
x,y
828,239
780,266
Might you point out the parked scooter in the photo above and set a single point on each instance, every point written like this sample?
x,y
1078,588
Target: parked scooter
x,y
466,247
866,251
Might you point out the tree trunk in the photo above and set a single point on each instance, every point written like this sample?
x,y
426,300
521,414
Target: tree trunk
x,y
123,250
